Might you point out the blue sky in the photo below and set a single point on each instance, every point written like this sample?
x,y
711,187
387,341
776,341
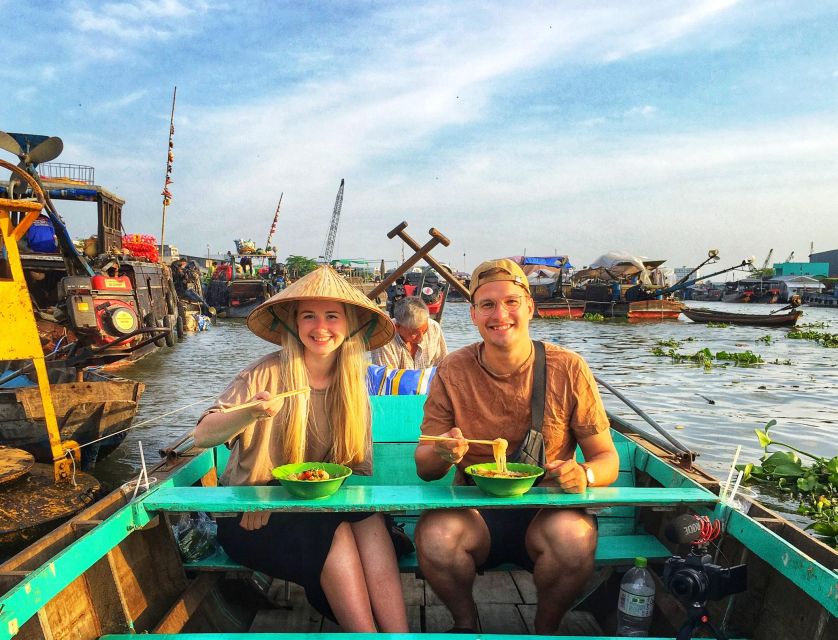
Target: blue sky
x,y
658,128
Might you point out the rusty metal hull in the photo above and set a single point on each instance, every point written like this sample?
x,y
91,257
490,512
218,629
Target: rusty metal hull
x,y
99,407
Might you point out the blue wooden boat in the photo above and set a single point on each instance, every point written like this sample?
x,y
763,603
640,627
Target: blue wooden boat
x,y
116,571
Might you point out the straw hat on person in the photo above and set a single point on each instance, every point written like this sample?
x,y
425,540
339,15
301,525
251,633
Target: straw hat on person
x,y
272,318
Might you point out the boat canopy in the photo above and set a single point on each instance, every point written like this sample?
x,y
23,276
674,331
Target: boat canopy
x,y
557,262
619,265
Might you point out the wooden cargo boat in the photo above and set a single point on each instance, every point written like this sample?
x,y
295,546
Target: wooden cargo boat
x,y
114,303
99,408
560,308
115,570
235,296
702,315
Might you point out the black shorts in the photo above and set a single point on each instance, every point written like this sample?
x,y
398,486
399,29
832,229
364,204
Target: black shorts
x,y
291,546
508,536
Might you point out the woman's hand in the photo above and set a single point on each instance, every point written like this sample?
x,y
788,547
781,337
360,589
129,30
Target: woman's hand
x,y
252,520
452,451
569,474
267,409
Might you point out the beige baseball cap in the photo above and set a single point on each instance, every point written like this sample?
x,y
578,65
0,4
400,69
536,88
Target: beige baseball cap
x,y
498,270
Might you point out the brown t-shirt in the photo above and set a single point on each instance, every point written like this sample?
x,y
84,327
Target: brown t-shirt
x,y
258,447
486,405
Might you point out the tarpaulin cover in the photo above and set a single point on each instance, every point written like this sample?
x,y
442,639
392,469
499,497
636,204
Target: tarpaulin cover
x,y
548,261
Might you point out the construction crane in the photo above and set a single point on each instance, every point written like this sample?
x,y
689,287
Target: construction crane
x,y
329,247
790,258
768,259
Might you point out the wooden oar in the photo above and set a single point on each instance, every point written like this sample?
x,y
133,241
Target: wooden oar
x,y
255,402
429,439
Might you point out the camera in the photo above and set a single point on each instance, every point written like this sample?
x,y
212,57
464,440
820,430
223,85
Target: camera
x,y
695,579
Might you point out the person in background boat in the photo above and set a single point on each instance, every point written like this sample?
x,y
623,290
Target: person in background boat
x,y
345,561
246,265
419,342
483,391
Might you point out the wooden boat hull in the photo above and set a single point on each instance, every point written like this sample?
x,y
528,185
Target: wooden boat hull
x,y
654,310
560,308
748,319
99,407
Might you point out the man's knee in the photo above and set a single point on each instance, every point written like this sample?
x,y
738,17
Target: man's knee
x,y
440,534
566,537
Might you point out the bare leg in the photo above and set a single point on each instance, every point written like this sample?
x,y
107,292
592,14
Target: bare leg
x,y
451,544
342,580
381,573
562,543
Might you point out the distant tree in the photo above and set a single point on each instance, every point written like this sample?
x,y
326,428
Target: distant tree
x,y
298,266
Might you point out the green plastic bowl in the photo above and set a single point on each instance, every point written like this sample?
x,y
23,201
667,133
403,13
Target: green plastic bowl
x,y
505,487
311,489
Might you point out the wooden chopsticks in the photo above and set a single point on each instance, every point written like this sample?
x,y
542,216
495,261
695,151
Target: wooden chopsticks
x,y
255,402
430,439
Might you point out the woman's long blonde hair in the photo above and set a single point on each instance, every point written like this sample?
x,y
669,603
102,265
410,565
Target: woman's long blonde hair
x,y
347,401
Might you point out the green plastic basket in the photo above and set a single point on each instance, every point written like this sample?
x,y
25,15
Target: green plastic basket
x,y
311,489
505,487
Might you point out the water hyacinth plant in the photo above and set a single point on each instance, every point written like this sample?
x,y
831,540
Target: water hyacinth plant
x,y
815,485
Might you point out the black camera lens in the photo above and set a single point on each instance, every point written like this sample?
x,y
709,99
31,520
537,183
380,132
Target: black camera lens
x,y
689,585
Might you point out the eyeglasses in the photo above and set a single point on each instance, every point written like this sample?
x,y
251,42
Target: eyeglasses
x,y
488,307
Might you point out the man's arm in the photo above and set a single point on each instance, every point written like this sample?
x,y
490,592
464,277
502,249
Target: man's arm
x,y
434,460
600,457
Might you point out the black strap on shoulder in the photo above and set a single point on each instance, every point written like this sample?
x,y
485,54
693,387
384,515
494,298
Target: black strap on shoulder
x,y
539,385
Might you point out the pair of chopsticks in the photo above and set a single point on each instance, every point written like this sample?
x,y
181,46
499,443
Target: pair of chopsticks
x,y
432,439
255,402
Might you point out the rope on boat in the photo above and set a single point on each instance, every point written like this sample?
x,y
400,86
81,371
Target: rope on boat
x,y
145,422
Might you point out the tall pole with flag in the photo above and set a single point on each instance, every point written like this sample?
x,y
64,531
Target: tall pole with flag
x,y
273,226
170,157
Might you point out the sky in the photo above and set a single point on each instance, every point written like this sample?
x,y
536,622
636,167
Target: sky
x,y
662,129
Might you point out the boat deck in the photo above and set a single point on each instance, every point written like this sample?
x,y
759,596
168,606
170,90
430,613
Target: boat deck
x,y
506,602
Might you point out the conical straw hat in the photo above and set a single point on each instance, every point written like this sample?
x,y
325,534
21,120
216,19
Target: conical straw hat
x,y
272,318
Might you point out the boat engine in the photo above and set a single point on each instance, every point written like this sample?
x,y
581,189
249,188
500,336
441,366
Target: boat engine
x,y
101,308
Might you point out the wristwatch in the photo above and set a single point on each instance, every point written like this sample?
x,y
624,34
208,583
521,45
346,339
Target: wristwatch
x,y
589,474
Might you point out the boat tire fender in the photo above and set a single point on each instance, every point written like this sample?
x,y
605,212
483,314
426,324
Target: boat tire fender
x,y
179,331
170,322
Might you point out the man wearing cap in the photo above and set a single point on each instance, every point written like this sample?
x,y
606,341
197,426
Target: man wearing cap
x,y
418,343
484,391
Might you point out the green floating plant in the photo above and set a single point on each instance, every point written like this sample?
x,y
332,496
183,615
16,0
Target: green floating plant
x,y
593,317
829,340
815,485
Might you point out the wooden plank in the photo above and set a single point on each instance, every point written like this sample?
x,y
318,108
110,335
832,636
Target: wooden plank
x,y
500,618
525,585
437,618
495,587
414,618
187,604
413,589
410,498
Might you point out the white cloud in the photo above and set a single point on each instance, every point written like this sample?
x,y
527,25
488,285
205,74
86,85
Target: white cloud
x,y
645,111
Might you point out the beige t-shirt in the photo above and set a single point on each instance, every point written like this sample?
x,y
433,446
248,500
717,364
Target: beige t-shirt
x,y
258,447
487,405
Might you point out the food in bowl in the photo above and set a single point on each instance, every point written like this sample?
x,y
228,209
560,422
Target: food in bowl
x,y
309,475
491,473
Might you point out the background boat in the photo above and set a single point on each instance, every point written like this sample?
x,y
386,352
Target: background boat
x,y
702,315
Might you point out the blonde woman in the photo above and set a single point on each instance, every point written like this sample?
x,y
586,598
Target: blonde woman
x,y
345,561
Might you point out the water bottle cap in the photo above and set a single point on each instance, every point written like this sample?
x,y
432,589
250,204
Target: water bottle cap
x,y
640,562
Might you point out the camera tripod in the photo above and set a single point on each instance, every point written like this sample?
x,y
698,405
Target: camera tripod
x,y
697,617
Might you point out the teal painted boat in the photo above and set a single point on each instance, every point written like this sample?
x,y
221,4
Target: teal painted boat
x,y
116,569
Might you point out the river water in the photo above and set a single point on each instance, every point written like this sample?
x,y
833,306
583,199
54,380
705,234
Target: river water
x,y
800,396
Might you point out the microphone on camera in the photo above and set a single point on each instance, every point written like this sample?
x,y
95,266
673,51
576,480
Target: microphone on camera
x,y
683,529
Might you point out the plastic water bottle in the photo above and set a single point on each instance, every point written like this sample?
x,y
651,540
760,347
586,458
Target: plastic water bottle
x,y
636,602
